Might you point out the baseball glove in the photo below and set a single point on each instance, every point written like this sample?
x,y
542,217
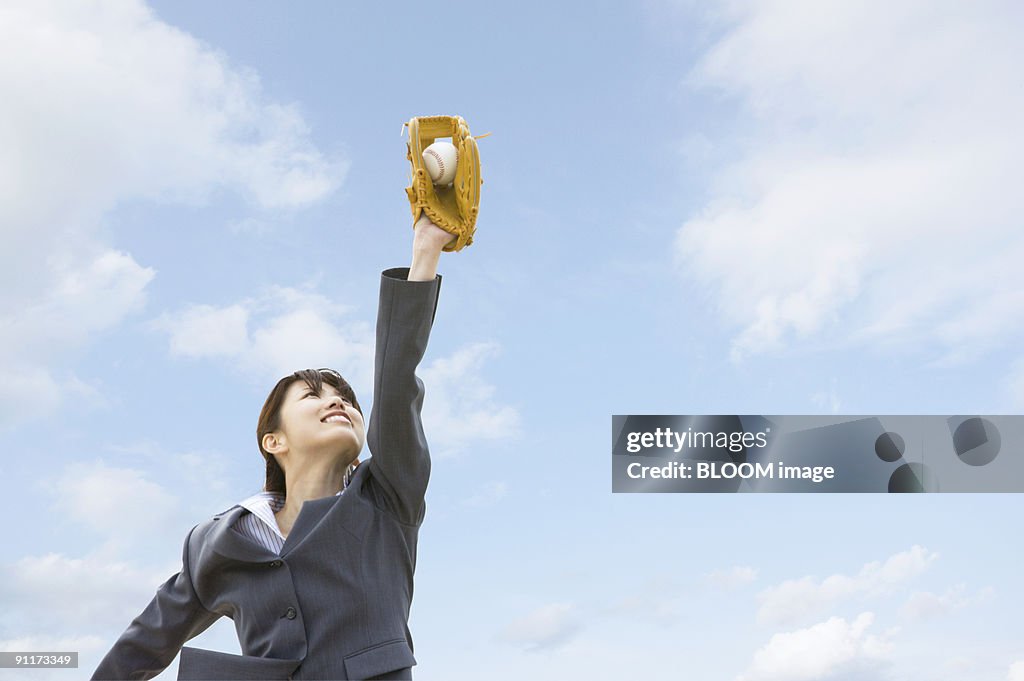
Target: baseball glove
x,y
453,207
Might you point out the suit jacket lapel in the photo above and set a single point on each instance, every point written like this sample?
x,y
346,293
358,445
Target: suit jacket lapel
x,y
227,541
310,515
231,543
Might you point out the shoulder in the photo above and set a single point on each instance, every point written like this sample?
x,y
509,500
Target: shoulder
x,y
198,538
223,514
201,529
260,500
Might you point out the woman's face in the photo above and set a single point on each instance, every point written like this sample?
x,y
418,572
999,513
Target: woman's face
x,y
326,423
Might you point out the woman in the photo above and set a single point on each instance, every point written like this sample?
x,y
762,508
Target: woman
x,y
317,571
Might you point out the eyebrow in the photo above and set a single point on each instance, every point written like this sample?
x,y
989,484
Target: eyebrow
x,y
306,390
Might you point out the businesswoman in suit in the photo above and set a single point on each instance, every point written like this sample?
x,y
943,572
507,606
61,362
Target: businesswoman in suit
x,y
317,570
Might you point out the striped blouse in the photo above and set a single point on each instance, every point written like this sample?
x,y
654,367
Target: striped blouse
x,y
260,525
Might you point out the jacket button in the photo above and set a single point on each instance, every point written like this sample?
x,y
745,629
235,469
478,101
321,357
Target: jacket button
x,y
290,613
275,563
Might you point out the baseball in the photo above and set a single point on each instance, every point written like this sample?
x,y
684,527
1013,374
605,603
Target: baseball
x,y
440,158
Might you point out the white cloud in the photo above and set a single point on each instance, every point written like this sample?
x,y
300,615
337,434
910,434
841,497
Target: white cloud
x,y
1016,672
549,626
826,650
274,334
146,109
284,329
926,605
734,577
872,194
104,103
196,470
125,512
797,599
54,592
27,392
114,501
206,331
88,294
459,407
305,338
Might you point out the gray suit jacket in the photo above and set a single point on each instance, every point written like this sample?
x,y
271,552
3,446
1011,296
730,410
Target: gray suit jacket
x,y
335,604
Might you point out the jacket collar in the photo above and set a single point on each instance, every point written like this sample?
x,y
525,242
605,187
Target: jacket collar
x,y
231,543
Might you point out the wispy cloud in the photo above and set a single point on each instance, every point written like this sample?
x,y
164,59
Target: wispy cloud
x,y
112,500
657,599
270,335
867,192
58,594
283,329
461,407
732,578
922,605
87,293
798,599
549,626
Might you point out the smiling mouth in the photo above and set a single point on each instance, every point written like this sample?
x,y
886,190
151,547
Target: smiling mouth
x,y
336,418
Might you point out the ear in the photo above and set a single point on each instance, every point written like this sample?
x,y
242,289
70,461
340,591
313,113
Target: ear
x,y
275,442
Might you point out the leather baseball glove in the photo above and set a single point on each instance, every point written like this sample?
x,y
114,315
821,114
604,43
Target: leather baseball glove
x,y
452,207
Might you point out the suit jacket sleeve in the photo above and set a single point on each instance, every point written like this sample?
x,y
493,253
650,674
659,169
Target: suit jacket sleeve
x,y
400,464
154,638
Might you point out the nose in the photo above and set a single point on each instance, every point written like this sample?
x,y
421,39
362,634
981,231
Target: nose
x,y
336,401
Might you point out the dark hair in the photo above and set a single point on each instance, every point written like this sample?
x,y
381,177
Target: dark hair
x,y
270,415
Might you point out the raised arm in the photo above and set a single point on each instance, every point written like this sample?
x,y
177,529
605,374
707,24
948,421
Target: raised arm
x,y
154,638
427,241
408,300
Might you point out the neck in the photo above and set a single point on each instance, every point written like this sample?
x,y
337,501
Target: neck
x,y
310,481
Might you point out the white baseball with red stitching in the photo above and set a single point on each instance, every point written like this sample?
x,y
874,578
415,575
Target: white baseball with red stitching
x,y
441,159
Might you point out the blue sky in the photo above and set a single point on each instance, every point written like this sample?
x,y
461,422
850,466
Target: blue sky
x,y
734,207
